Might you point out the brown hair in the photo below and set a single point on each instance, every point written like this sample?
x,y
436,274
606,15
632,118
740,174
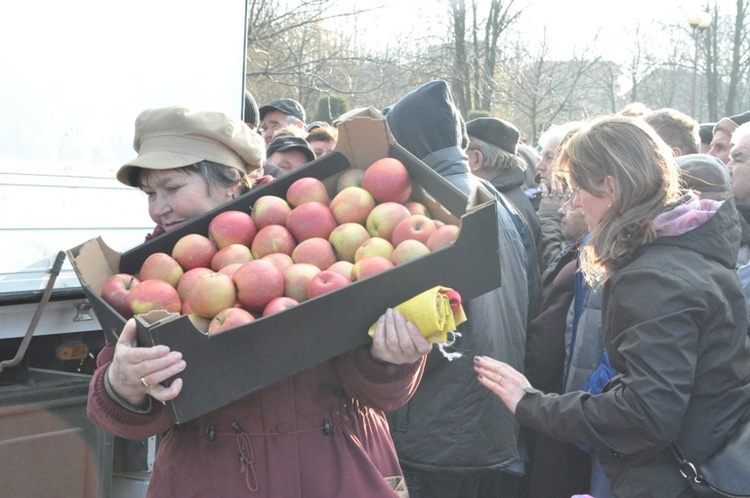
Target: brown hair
x,y
323,134
214,174
646,178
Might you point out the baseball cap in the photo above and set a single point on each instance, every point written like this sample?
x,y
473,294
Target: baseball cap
x,y
177,136
281,144
287,106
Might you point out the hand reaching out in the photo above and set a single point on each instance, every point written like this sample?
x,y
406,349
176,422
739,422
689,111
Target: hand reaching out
x,y
501,379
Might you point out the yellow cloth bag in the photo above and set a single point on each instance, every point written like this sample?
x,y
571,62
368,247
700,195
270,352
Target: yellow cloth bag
x,y
436,312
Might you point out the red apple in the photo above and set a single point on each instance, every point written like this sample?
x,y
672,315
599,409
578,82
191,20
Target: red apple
x,y
349,178
233,253
438,223
212,293
316,251
416,226
407,250
369,266
153,295
271,239
232,227
326,281
343,267
229,318
186,309
258,282
279,304
194,250
311,219
281,260
229,269
352,204
415,207
347,238
387,180
161,266
115,292
307,189
384,217
442,236
270,210
189,278
374,246
296,278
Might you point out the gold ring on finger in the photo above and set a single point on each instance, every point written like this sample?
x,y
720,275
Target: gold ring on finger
x,y
145,383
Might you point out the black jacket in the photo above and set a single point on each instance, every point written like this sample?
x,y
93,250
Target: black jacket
x,y
675,326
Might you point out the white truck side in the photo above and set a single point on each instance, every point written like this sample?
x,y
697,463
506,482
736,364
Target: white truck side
x,y
75,76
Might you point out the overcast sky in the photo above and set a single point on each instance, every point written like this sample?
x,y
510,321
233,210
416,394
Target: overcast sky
x,y
569,24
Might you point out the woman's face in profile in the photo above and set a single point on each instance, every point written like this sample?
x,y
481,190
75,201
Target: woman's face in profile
x,y
594,206
176,196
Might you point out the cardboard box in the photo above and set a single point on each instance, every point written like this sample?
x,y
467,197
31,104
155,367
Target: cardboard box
x,y
224,367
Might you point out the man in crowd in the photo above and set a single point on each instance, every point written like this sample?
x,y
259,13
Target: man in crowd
x,y
281,113
451,436
492,151
285,154
250,114
721,142
677,129
322,138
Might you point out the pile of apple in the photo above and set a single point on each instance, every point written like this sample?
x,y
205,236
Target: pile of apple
x,y
288,250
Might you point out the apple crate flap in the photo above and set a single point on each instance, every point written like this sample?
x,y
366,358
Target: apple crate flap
x,y
436,312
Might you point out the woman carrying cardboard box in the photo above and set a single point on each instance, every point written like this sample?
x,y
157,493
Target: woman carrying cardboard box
x,y
319,433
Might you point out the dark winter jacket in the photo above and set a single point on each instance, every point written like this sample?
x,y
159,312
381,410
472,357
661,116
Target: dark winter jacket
x,y
510,184
675,327
452,423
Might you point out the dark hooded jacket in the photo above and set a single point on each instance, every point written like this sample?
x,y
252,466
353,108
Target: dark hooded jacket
x,y
510,184
675,327
452,423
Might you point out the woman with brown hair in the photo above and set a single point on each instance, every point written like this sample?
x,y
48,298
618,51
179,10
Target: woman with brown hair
x,y
674,320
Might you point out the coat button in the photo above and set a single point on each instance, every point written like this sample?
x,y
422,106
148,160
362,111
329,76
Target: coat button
x,y
283,427
327,427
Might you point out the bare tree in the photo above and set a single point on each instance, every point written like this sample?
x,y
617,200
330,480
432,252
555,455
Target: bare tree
x,y
740,57
460,80
542,91
291,53
473,77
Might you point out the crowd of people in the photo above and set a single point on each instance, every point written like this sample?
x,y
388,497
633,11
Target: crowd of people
x,y
620,325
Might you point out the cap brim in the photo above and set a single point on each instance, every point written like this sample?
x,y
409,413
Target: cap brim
x,y
159,160
307,152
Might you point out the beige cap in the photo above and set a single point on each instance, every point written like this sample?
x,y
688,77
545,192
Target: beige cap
x,y
173,137
727,125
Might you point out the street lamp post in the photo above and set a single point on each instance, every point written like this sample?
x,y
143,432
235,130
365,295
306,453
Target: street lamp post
x,y
698,21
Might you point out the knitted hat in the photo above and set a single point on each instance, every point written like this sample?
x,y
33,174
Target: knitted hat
x,y
251,115
704,173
